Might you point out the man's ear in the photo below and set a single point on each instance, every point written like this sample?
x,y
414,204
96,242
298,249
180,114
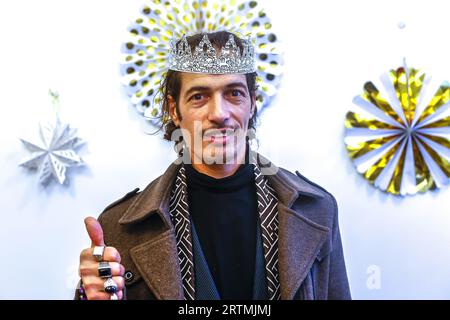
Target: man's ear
x,y
173,110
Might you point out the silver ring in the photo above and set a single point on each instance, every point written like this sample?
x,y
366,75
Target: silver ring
x,y
114,297
98,252
110,286
104,269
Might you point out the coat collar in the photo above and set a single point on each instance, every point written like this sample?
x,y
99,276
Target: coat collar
x,y
300,239
155,197
288,186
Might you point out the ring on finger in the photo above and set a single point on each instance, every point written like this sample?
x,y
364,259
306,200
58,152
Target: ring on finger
x,y
110,286
98,252
104,269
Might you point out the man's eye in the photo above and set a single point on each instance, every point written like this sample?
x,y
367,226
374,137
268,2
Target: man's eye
x,y
236,93
197,96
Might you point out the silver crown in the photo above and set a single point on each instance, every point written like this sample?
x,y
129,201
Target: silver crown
x,y
229,60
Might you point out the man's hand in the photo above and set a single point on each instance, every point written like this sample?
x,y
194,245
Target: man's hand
x,y
92,283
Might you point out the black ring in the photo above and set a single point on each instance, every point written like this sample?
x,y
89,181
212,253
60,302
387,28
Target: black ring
x,y
104,269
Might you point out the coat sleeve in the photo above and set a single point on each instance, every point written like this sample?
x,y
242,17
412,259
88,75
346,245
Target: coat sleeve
x,y
338,286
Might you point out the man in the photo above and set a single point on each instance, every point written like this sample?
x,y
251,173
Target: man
x,y
222,222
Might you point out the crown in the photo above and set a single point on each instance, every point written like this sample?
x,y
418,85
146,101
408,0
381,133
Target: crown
x,y
204,58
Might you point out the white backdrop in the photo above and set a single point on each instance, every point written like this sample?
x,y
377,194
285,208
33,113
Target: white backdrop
x,y
396,248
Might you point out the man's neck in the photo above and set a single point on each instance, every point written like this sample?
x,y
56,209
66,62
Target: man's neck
x,y
219,171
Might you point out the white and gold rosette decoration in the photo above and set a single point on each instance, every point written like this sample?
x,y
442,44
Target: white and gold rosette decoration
x,y
399,137
145,52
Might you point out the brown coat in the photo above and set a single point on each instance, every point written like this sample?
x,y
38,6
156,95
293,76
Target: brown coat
x,y
311,261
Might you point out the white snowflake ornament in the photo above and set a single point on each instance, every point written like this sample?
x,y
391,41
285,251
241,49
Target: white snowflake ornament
x,y
54,152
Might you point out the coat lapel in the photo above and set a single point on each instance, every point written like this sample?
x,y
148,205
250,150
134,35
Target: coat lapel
x,y
299,244
300,239
157,261
156,256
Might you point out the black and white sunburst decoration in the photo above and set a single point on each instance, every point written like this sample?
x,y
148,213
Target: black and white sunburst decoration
x,y
145,52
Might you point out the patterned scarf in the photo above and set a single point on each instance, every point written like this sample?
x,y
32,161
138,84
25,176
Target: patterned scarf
x,y
268,217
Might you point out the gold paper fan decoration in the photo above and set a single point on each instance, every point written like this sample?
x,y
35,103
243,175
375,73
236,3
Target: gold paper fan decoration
x,y
400,142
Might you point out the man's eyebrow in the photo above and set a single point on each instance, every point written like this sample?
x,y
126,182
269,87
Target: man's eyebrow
x,y
204,88
236,84
196,88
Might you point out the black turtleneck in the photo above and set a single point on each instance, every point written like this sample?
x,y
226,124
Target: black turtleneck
x,y
224,212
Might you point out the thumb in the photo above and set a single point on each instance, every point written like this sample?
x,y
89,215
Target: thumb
x,y
95,231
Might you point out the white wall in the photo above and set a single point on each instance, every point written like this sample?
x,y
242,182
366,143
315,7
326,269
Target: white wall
x,y
332,48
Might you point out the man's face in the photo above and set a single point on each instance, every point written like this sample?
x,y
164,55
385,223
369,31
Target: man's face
x,y
215,111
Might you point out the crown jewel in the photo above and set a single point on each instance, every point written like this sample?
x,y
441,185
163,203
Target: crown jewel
x,y
205,59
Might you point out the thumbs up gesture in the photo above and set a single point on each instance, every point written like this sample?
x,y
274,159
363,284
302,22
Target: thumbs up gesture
x,y
93,277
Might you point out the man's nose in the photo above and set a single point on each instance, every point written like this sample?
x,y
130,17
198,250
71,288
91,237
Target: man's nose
x,y
218,110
